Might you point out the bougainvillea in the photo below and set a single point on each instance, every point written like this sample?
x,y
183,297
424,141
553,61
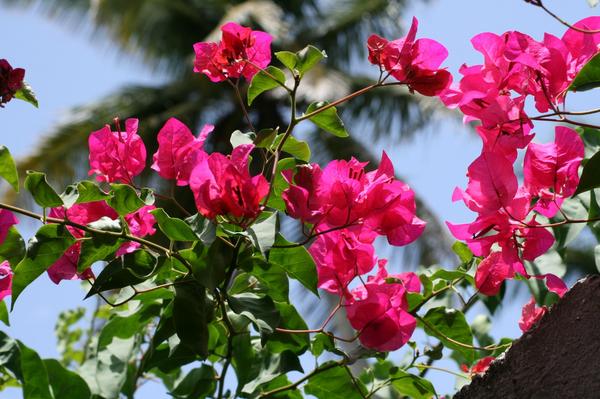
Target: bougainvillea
x,y
201,275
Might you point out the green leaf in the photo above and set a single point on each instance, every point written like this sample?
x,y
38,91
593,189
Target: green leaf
x,y
320,343
334,383
84,191
175,229
328,119
209,263
203,228
262,232
291,320
129,269
48,244
590,177
443,323
26,94
97,248
12,248
296,148
280,184
116,346
198,383
588,77
261,311
288,59
302,61
412,386
462,251
261,82
271,367
4,313
35,376
191,313
65,383
42,193
8,168
124,199
307,58
297,263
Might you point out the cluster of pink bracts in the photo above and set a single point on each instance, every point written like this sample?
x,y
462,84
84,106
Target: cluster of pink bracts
x,y
347,207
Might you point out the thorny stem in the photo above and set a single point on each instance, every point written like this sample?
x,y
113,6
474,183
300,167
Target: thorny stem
x,y
236,89
314,235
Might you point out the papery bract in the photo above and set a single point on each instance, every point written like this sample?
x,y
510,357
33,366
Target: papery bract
x,y
531,314
7,220
343,194
6,276
480,367
141,224
223,186
11,80
415,63
551,170
117,156
65,268
178,151
379,310
241,52
340,256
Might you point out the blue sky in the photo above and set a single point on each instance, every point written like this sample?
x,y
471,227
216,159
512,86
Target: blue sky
x,y
68,67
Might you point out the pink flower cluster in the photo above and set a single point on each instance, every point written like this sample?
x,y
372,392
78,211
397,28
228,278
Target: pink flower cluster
x,y
241,52
347,208
516,66
531,314
414,63
141,223
222,185
7,220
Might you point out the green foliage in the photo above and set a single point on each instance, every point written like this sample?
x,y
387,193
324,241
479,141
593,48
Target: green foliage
x,y
124,199
302,61
269,79
42,193
294,147
48,244
296,261
8,168
590,178
191,313
451,328
588,77
81,192
175,229
335,383
328,119
12,248
26,94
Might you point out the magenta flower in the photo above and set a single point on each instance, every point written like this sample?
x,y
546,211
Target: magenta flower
x,y
241,52
223,186
11,80
531,314
7,220
140,223
6,276
343,194
582,46
178,151
342,255
379,310
551,170
415,63
117,156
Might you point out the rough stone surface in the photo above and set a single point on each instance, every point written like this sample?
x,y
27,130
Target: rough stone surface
x,y
558,358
